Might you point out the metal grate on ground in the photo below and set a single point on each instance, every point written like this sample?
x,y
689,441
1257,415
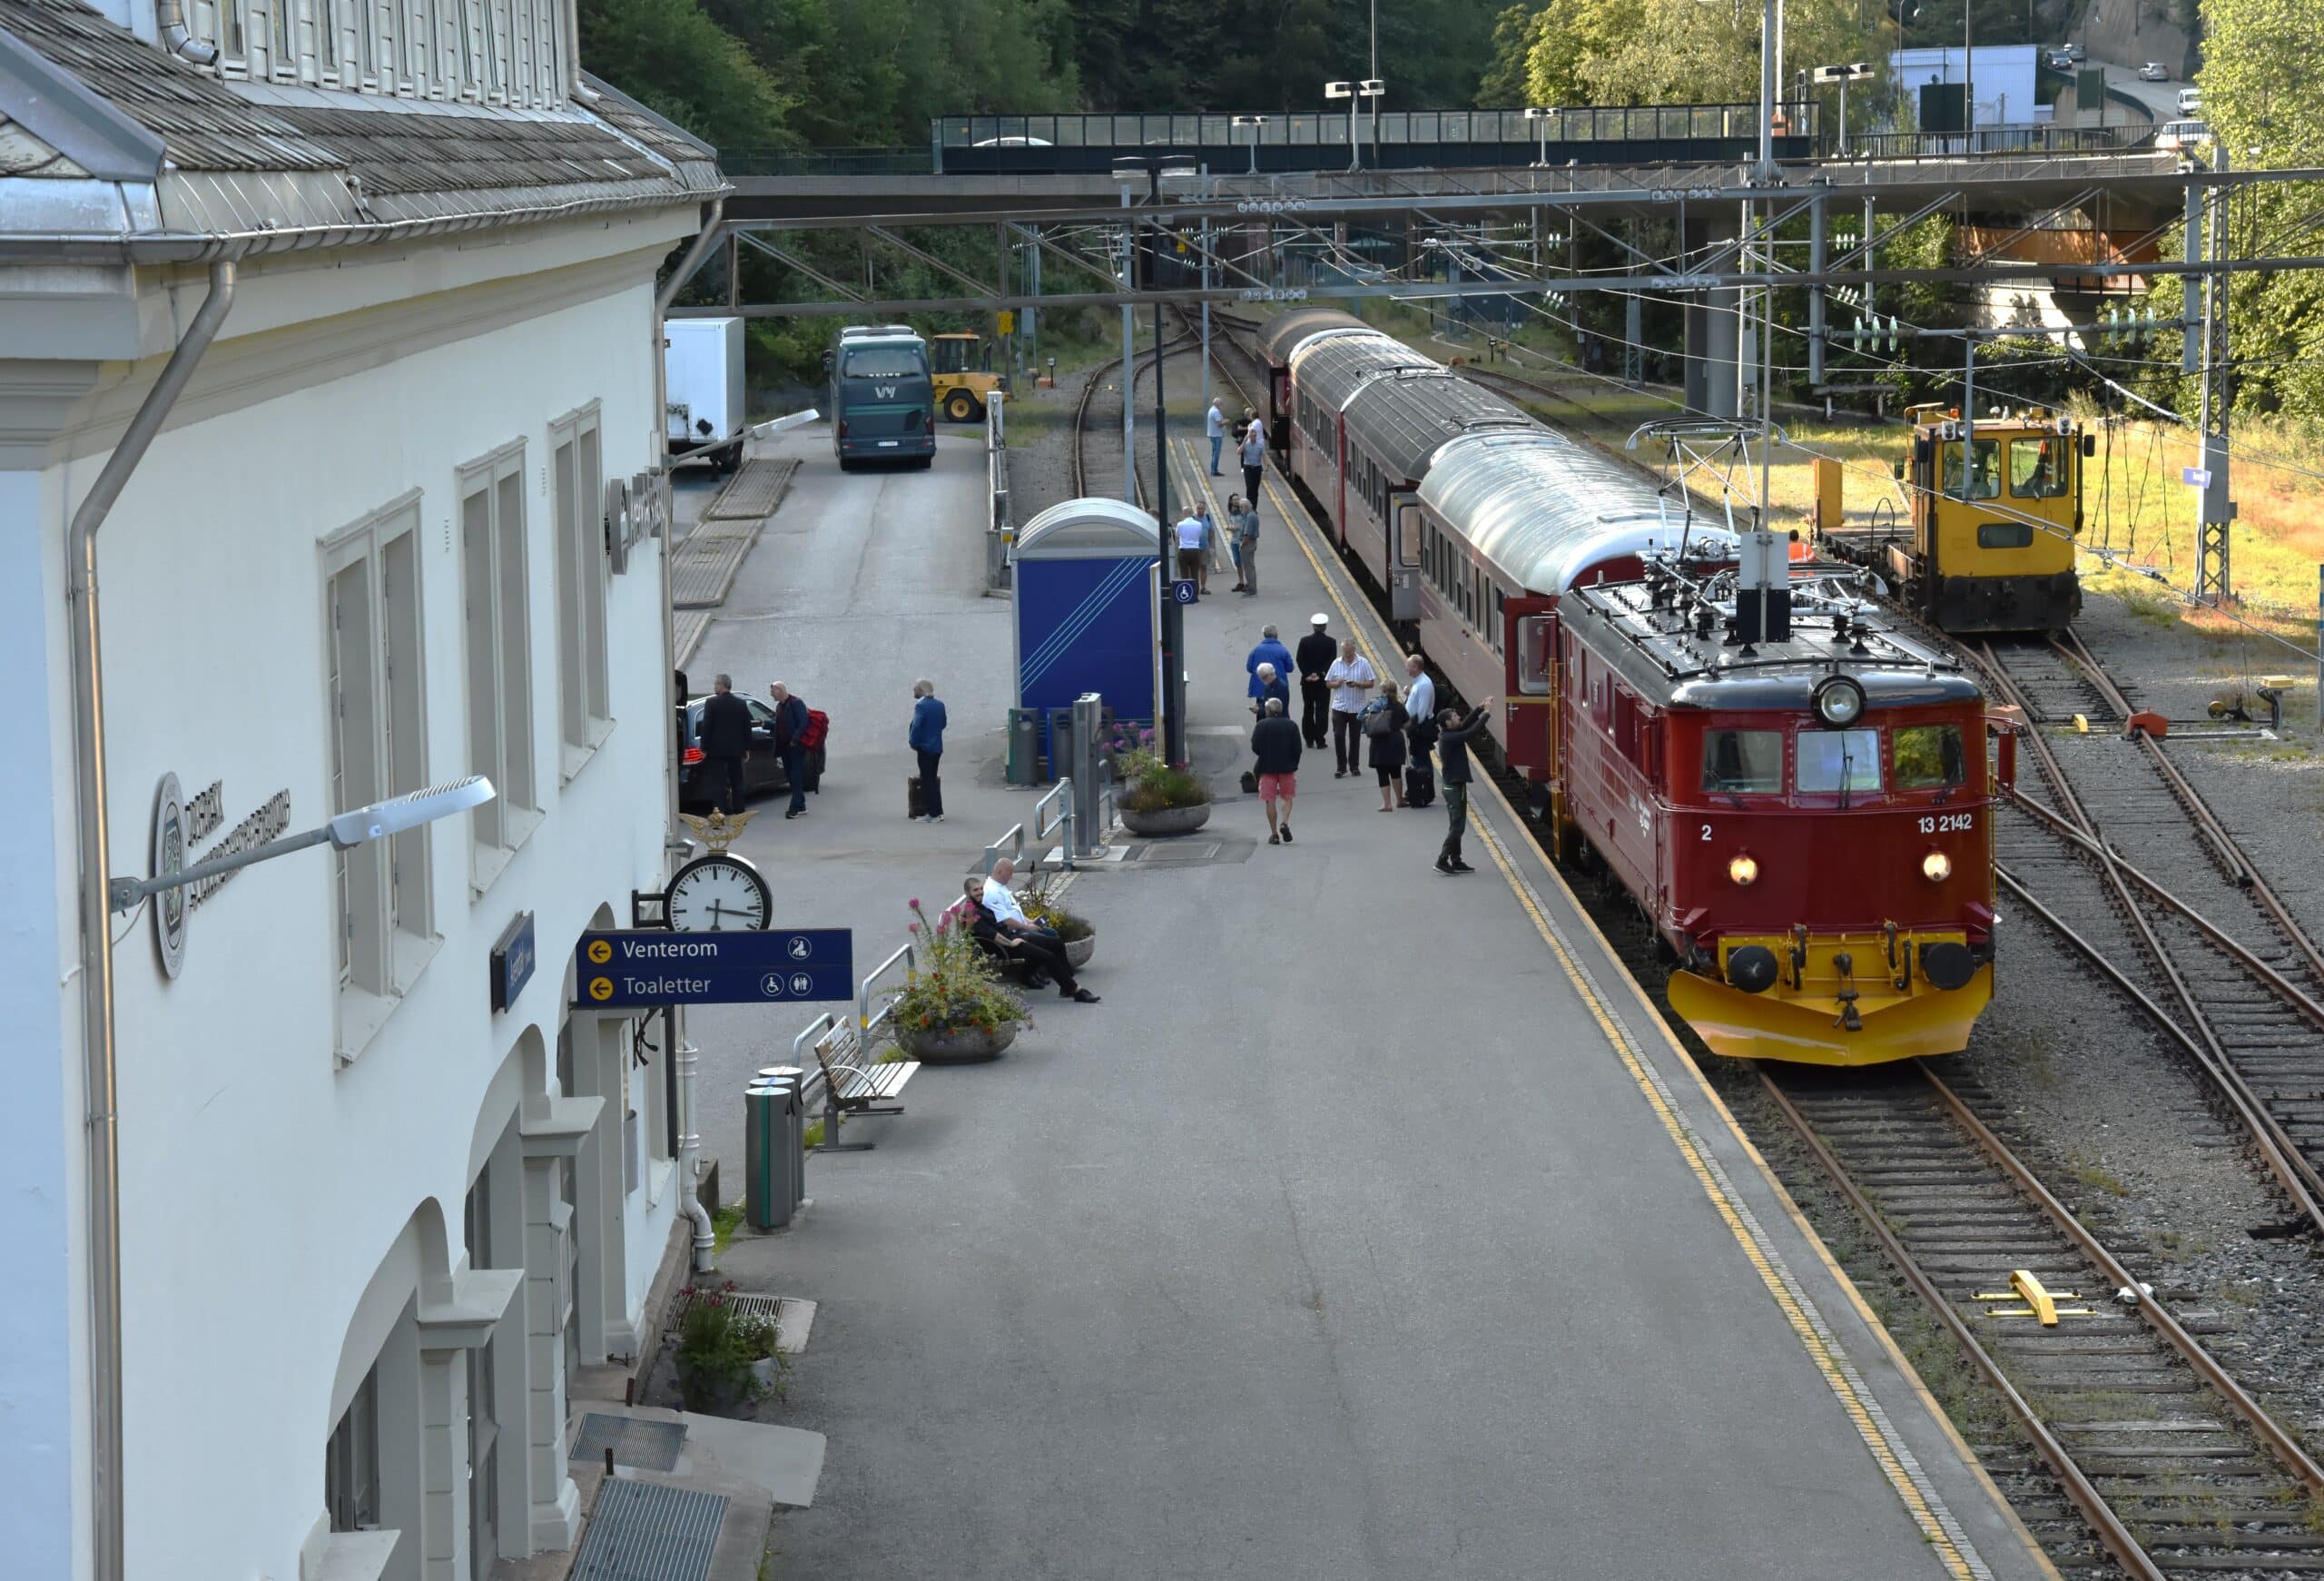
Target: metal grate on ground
x,y
753,493
791,1316
647,1445
643,1531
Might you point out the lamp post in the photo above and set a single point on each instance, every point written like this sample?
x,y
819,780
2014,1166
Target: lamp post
x,y
1171,727
1855,71
1257,123
376,822
1540,118
1355,93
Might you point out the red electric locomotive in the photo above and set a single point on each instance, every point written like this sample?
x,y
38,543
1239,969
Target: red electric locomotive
x,y
1807,822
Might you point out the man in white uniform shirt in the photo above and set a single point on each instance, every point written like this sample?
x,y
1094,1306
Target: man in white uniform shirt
x,y
1002,900
1351,680
1189,539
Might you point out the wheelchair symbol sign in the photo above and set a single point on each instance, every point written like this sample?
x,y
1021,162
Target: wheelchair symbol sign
x,y
772,985
801,948
1182,592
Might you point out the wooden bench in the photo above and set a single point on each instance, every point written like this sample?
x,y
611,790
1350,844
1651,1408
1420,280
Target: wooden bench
x,y
851,1087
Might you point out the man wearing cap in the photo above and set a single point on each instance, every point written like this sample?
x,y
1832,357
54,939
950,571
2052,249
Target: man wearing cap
x,y
1317,649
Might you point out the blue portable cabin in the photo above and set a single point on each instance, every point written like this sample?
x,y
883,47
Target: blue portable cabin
x,y
1082,574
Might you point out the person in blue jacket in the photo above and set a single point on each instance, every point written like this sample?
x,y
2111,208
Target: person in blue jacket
x,y
927,741
1270,650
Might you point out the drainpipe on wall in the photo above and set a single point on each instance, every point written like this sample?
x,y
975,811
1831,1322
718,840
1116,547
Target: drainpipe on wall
x,y
705,1239
96,936
170,16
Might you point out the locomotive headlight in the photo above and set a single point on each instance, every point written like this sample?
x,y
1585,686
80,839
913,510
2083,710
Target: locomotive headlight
x,y
1839,700
1743,870
1937,867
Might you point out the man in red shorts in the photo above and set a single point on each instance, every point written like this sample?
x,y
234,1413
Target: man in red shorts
x,y
1275,741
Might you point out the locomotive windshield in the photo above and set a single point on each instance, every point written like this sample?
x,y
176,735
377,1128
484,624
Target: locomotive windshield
x,y
1929,757
1985,470
2038,469
1839,760
1741,761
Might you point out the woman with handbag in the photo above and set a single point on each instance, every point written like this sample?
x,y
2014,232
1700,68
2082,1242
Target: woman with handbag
x,y
1384,733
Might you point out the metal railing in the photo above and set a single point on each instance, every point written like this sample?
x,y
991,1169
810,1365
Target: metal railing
x,y
1001,530
1013,838
1044,828
1989,139
1326,129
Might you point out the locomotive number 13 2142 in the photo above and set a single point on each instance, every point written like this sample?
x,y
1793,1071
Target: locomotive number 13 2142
x,y
1949,824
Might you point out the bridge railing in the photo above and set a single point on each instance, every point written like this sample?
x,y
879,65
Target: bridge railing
x,y
1992,139
1326,129
824,161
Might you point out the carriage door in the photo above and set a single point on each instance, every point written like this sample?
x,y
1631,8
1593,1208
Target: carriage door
x,y
1529,696
1403,557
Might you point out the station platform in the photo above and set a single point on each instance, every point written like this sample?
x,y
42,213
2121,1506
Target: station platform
x,y
1372,1227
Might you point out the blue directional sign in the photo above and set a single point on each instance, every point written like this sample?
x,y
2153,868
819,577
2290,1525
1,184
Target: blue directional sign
x,y
613,971
1182,592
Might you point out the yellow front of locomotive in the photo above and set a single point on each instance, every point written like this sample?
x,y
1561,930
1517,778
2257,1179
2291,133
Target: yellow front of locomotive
x,y
1996,508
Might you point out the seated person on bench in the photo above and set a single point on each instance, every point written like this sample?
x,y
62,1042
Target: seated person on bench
x,y
1042,955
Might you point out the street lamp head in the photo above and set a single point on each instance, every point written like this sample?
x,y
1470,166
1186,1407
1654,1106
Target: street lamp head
x,y
398,814
1250,120
1338,90
1180,164
1372,88
1538,112
1129,168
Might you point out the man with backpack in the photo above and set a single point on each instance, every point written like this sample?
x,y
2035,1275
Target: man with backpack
x,y
792,729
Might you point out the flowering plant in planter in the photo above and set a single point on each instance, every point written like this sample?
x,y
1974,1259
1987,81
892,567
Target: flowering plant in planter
x,y
719,1346
1068,926
1149,785
953,986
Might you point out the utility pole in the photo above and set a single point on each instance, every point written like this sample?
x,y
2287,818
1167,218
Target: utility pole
x,y
1129,348
2216,509
1206,294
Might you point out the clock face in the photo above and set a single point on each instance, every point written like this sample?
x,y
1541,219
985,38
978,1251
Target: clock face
x,y
719,894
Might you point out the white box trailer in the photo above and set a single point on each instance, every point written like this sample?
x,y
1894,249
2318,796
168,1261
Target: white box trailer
x,y
703,385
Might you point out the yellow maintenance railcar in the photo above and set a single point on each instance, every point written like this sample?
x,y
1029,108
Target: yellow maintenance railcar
x,y
1987,543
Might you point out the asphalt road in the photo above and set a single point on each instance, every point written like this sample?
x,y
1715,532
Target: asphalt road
x,y
1335,1243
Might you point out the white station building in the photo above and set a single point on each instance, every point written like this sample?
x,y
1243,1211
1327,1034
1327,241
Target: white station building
x,y
328,338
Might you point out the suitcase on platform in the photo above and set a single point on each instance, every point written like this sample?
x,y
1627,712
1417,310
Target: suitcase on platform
x,y
915,799
1420,786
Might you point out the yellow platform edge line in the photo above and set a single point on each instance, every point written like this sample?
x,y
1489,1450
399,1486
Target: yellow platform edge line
x,y
1894,1458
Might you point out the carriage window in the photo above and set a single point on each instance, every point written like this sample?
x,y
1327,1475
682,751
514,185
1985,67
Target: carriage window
x,y
1534,654
2005,535
1986,470
1839,760
1929,757
1408,535
2037,469
1743,761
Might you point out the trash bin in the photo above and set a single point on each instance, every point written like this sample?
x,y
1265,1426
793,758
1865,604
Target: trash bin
x,y
771,1109
797,1141
1061,743
1024,747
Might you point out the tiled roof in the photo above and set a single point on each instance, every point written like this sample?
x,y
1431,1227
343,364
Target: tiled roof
x,y
398,162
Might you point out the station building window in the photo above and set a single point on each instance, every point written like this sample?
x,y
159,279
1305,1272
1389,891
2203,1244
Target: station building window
x,y
498,644
378,729
352,1462
577,487
497,51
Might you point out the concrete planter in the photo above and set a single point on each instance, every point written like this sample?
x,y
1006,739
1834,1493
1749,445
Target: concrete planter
x,y
956,1046
1167,821
1079,951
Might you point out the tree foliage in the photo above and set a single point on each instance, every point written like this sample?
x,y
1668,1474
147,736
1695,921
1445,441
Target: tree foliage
x,y
1658,52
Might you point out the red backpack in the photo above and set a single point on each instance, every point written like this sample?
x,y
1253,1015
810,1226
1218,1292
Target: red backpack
x,y
819,728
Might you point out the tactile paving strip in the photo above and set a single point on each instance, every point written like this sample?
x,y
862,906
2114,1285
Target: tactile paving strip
x,y
643,1531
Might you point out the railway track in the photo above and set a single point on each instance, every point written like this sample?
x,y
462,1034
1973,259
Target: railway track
x,y
2185,927
1083,407
2149,1459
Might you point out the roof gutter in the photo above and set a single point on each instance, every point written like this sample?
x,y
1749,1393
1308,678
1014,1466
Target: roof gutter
x,y
171,15
98,1064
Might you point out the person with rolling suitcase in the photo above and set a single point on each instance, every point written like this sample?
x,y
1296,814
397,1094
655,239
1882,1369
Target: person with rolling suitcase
x,y
926,739
1420,704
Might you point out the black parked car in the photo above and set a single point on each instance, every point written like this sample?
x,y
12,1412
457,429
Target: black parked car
x,y
762,768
